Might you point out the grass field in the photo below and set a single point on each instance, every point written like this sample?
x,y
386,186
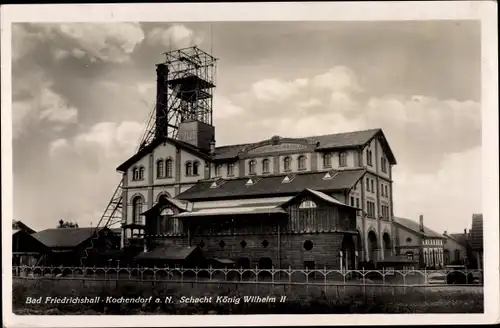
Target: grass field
x,y
299,299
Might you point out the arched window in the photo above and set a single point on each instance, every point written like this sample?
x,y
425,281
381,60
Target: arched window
x,y
457,255
302,162
189,169
251,167
307,204
327,160
265,166
137,209
343,159
135,173
141,173
160,169
168,166
196,165
287,164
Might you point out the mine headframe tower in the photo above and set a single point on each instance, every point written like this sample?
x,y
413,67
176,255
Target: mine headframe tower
x,y
184,92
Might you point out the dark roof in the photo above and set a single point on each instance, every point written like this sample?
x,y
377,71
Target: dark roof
x,y
18,225
272,185
168,253
324,142
318,194
460,238
64,237
415,227
476,237
155,143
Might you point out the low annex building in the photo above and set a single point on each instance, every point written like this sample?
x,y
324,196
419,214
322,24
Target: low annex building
x,y
280,202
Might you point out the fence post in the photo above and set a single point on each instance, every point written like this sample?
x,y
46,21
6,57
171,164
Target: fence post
x,y
307,279
324,275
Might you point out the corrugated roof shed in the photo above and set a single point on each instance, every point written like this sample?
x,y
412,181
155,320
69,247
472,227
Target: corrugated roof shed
x,y
64,237
477,243
415,227
272,185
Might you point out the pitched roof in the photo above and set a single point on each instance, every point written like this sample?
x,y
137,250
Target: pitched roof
x,y
460,238
155,143
324,142
318,194
18,225
415,227
64,237
168,253
476,237
272,185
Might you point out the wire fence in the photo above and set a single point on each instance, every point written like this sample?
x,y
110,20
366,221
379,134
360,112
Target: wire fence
x,y
290,276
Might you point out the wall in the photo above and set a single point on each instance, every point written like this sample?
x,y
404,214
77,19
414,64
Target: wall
x,y
352,159
451,246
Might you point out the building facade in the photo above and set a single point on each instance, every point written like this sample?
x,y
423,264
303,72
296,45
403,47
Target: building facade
x,y
456,249
353,168
416,241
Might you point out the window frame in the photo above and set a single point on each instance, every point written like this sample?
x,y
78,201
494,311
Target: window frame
x,y
251,167
188,168
301,163
327,160
342,159
287,164
266,168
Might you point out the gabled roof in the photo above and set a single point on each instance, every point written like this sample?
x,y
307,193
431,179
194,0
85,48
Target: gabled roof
x,y
324,142
318,194
18,225
460,238
178,203
476,237
272,185
155,143
414,226
64,237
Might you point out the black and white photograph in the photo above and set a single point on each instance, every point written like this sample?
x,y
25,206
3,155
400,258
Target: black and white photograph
x,y
224,165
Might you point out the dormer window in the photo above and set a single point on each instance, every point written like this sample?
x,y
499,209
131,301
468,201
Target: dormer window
x,y
327,160
301,162
330,175
287,164
343,159
308,204
217,183
251,167
249,182
265,166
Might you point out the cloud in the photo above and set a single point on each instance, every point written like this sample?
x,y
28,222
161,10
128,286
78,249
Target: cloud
x,y
174,37
24,41
110,42
225,109
56,109
273,90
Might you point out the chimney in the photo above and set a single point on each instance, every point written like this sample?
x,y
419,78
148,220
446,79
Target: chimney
x,y
212,147
421,223
465,232
445,233
161,123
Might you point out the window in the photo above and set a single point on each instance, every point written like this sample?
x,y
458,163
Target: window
x,y
307,204
409,256
141,172
137,209
265,166
357,202
195,168
189,169
308,245
369,157
217,170
370,209
135,173
327,160
302,162
265,243
160,169
169,168
457,255
230,169
386,193
383,163
408,240
373,186
343,159
368,184
287,164
251,167
382,189
385,212
352,201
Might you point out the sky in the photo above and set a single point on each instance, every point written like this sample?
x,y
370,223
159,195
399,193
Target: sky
x,y
82,92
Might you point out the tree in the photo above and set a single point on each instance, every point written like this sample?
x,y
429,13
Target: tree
x,y
63,224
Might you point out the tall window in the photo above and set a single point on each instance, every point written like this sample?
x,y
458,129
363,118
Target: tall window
x,y
352,201
137,209
383,164
368,184
357,202
302,162
141,172
327,160
370,206
373,186
189,168
160,169
251,167
287,164
169,168
195,168
230,169
343,159
457,255
265,166
135,173
369,157
217,170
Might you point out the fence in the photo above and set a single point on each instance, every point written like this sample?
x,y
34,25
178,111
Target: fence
x,y
317,277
